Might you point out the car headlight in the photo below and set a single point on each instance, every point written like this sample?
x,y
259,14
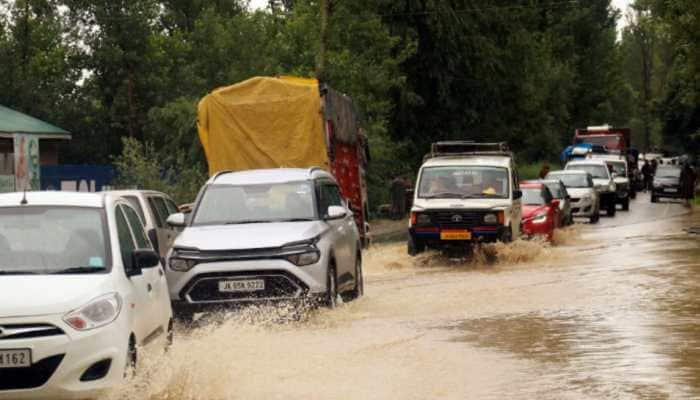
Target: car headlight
x,y
301,259
97,313
423,219
539,218
490,218
181,264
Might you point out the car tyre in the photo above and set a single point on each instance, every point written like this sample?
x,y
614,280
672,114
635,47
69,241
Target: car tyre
x,y
359,290
415,247
185,317
331,297
170,334
595,217
654,199
131,359
626,204
612,209
633,194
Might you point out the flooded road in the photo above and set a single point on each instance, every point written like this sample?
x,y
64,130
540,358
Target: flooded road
x,y
611,311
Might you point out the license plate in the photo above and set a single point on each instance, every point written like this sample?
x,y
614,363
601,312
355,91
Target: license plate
x,y
248,285
15,358
455,235
670,190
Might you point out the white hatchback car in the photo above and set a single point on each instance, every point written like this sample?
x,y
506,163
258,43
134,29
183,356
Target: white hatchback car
x,y
81,292
265,235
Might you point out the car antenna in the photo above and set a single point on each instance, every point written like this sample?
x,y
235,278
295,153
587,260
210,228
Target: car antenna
x,y
24,196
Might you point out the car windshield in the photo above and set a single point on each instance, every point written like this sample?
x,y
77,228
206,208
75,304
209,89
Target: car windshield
x,y
572,180
598,171
668,172
619,168
533,196
464,182
50,239
239,204
555,188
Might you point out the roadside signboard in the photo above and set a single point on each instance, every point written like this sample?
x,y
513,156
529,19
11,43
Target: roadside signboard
x,y
27,164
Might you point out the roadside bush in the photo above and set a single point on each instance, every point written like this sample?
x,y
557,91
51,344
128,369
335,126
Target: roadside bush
x,y
141,166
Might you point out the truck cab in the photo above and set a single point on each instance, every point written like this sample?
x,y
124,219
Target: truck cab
x,y
466,193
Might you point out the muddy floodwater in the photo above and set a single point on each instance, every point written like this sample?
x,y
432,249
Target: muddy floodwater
x,y
611,311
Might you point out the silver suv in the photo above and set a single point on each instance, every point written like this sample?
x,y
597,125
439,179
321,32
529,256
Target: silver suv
x,y
262,236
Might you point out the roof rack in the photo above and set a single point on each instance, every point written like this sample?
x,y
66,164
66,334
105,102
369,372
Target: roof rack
x,y
457,148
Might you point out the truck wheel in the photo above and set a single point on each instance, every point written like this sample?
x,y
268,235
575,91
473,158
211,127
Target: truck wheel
x,y
626,204
415,247
612,209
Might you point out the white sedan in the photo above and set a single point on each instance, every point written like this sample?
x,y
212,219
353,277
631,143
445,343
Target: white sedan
x,y
82,293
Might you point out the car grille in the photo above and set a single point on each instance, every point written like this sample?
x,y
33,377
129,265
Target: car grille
x,y
457,219
575,199
279,285
32,377
27,331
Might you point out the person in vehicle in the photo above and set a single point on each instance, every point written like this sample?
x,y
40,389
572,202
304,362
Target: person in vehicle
x,y
441,184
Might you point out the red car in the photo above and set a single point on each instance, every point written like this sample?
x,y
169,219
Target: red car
x,y
541,214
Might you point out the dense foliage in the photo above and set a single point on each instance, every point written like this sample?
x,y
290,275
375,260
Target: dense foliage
x,y
525,71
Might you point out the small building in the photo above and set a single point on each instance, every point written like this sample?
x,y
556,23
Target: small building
x,y
26,144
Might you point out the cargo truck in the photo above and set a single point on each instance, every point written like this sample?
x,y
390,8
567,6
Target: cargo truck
x,y
274,122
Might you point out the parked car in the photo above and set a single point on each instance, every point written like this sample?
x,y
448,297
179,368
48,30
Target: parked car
x,y
466,192
602,179
82,294
585,199
559,192
667,183
541,213
265,235
153,209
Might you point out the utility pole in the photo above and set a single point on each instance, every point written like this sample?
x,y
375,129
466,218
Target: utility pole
x,y
321,57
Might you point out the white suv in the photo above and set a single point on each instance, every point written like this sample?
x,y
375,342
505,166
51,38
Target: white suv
x,y
265,235
466,193
81,291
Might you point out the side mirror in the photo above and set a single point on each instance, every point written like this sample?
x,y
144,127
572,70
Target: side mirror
x,y
517,194
614,175
176,220
142,259
555,203
336,212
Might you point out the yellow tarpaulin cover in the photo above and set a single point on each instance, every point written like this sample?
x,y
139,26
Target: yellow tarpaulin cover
x,y
263,123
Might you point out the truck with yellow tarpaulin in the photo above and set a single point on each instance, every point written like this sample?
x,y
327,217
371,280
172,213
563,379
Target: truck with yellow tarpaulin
x,y
287,122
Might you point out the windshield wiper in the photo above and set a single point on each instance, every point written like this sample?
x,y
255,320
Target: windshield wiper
x,y
247,221
78,270
20,272
443,195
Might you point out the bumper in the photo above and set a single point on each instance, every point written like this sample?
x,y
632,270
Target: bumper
x,y
583,208
59,361
545,229
431,236
197,289
664,192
